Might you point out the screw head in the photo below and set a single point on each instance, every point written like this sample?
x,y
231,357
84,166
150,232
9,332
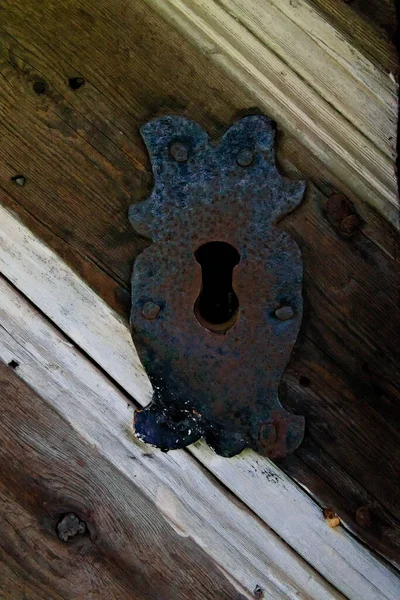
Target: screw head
x,y
284,313
179,151
245,157
151,310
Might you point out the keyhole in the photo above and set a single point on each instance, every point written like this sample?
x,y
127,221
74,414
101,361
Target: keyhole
x,y
217,305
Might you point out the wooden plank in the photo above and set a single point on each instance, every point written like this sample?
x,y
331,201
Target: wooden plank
x,y
275,63
141,480
128,552
93,326
370,25
335,69
92,118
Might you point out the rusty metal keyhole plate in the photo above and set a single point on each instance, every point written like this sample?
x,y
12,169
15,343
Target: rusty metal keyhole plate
x,y
217,380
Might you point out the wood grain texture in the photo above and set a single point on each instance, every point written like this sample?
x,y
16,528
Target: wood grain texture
x,y
131,552
94,327
85,163
193,504
370,25
304,74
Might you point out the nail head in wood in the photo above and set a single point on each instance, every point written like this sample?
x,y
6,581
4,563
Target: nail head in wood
x,y
69,526
341,213
349,224
331,517
19,180
363,516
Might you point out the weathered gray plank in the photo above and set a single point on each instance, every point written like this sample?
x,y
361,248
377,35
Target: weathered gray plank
x,y
48,469
178,491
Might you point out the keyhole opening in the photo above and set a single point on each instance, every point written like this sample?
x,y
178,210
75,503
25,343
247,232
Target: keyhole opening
x,y
217,306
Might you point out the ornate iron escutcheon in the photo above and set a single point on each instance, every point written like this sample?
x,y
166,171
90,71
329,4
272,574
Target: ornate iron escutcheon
x,y
216,298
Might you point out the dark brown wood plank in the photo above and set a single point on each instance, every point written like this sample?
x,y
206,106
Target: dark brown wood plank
x,y
350,451
130,552
85,163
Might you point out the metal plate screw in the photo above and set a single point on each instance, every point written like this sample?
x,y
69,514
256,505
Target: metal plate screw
x,y
150,310
179,151
245,157
284,313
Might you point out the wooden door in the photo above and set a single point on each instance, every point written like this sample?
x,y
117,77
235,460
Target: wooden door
x,y
78,80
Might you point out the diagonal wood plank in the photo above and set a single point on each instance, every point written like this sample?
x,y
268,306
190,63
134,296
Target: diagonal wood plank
x,y
187,499
48,468
93,326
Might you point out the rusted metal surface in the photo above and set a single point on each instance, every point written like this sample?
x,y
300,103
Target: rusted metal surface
x,y
216,299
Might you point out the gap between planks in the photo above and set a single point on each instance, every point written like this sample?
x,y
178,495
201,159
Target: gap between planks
x,y
304,74
92,325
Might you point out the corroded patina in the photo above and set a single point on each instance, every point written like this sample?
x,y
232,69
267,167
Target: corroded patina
x,y
215,361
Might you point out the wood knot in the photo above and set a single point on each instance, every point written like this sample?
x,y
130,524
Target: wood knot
x,y
69,526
